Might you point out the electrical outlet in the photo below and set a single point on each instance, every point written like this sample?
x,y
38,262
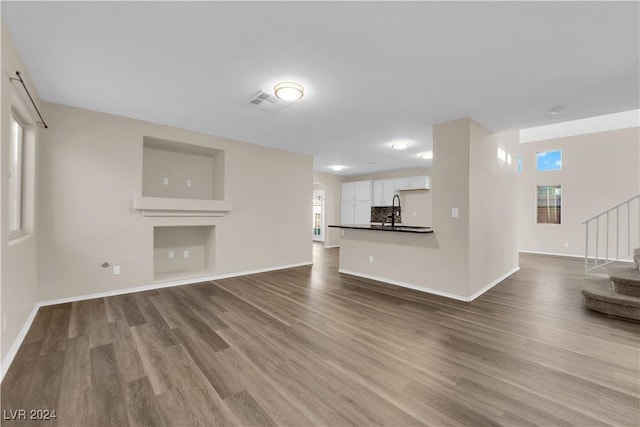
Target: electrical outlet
x,y
5,322
165,181
566,244
116,270
185,254
454,212
172,254
188,183
370,259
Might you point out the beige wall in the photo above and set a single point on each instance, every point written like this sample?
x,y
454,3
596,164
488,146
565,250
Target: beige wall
x,y
599,171
332,186
493,206
460,259
91,170
18,258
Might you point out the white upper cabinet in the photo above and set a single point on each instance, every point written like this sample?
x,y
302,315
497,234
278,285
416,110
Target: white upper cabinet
x,y
348,191
385,189
363,191
383,192
357,191
422,182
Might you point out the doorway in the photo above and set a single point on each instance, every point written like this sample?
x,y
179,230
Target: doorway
x,y
318,215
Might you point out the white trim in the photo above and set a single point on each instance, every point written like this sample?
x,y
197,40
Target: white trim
x,y
569,255
429,290
17,342
492,284
15,346
168,284
550,253
332,246
626,119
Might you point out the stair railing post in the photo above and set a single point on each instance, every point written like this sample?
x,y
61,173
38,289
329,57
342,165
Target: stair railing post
x,y
618,232
586,248
597,243
606,248
629,228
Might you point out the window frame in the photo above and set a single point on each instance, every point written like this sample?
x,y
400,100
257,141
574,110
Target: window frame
x,y
556,207
558,150
21,230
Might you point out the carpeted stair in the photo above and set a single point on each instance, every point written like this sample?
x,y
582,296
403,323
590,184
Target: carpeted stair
x,y
619,296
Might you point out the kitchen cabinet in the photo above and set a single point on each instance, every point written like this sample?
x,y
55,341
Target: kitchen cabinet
x,y
357,191
356,213
383,192
422,182
356,202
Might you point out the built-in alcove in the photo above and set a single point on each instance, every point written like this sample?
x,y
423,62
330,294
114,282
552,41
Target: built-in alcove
x,y
181,252
180,179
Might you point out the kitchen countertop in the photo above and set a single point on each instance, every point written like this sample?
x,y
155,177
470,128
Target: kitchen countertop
x,y
378,227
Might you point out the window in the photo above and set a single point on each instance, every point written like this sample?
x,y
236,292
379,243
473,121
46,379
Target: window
x,y
519,163
549,204
16,148
549,161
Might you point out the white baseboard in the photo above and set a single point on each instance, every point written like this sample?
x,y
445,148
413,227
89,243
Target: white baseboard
x,y
550,253
17,342
430,290
168,284
15,346
332,246
568,255
492,284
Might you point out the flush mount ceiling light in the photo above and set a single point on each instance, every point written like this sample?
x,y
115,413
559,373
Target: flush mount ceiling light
x,y
400,145
337,168
289,91
426,156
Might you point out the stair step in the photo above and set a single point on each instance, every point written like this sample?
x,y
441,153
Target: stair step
x,y
626,280
599,295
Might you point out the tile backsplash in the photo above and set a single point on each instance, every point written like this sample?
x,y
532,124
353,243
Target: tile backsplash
x,y
383,214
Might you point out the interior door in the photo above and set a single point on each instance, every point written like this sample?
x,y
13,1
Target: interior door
x,y
318,221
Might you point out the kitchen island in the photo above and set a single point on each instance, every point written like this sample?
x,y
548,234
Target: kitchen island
x,y
406,256
381,227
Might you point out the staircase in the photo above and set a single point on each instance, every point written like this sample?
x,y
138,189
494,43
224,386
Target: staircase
x,y
610,237
619,296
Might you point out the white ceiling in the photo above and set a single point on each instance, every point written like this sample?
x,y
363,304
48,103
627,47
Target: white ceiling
x,y
373,71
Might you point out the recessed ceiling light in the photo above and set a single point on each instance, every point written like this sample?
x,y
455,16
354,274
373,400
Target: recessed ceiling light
x,y
426,155
337,168
556,110
400,145
289,91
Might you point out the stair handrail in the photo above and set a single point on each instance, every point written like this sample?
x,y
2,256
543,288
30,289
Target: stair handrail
x,y
613,208
607,259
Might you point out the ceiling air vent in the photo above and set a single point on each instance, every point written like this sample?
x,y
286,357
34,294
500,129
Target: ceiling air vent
x,y
268,102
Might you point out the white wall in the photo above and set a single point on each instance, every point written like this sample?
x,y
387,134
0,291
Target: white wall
x,y
493,206
91,170
599,171
18,258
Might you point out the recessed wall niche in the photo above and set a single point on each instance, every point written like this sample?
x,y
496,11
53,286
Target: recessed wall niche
x,y
183,252
184,171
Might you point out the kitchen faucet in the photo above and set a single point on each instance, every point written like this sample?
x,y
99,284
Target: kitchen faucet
x,y
393,210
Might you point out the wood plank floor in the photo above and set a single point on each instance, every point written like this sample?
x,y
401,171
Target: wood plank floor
x,y
308,346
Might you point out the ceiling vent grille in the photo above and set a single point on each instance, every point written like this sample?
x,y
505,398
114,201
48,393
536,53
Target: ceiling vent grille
x,y
268,102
